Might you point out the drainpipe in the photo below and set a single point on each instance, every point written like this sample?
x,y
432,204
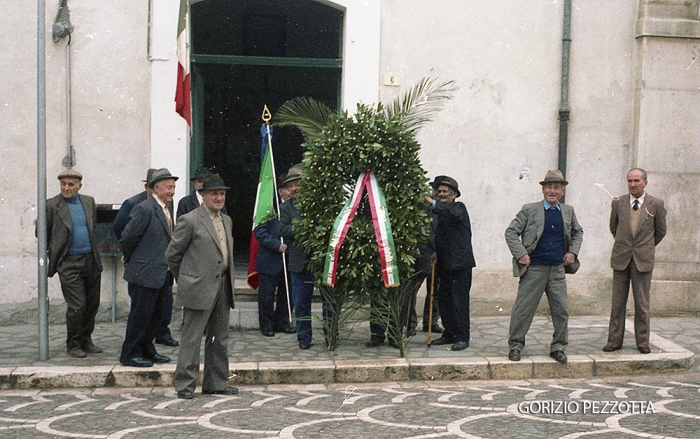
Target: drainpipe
x,y
63,28
564,111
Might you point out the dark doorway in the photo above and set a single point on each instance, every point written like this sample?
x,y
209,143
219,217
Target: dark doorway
x,y
247,54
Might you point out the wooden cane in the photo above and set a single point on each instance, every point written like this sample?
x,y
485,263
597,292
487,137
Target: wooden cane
x,y
431,293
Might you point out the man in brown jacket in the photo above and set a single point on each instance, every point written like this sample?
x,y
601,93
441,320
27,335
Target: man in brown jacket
x,y
638,224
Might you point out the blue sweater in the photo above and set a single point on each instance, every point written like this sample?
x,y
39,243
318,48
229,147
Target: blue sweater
x,y
80,239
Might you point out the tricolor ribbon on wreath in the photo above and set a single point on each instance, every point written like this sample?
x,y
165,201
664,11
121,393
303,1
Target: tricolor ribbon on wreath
x,y
382,230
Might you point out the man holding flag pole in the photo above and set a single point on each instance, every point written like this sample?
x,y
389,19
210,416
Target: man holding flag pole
x,y
267,267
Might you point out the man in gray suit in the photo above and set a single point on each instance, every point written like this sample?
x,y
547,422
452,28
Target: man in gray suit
x,y
544,239
143,243
200,257
638,224
73,254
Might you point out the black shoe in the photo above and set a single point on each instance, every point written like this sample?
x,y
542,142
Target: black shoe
x,y
185,394
226,391
460,346
268,333
136,362
287,329
158,358
435,329
645,350
611,348
168,342
304,346
559,355
373,343
411,332
514,355
442,340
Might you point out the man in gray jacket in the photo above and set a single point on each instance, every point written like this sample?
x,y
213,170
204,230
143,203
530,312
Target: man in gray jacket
x,y
200,257
544,239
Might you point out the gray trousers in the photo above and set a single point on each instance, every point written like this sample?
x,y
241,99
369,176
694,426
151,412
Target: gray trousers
x,y
214,324
536,280
641,284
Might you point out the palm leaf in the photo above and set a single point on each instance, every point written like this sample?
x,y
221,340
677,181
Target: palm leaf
x,y
418,105
309,115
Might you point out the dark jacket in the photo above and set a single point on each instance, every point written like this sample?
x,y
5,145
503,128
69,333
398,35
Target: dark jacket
x,y
143,243
453,237
269,260
124,211
59,229
297,257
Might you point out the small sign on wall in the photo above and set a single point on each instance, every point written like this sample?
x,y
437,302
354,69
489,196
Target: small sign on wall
x,y
391,80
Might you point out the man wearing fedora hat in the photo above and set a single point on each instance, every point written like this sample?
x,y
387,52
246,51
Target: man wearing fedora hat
x,y
544,239
73,254
454,258
200,257
163,335
194,200
143,243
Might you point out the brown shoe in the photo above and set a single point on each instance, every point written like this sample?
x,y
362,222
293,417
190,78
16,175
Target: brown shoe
x,y
92,349
77,353
611,348
645,350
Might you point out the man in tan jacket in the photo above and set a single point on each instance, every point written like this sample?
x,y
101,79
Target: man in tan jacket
x,y
638,224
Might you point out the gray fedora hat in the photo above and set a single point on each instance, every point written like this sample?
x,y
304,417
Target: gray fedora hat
x,y
213,182
449,182
294,173
554,176
200,173
149,175
160,174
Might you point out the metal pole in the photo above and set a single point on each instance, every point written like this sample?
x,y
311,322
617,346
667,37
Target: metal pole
x,y
564,111
42,287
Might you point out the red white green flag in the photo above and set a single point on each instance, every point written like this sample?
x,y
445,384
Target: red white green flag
x,y
182,93
264,201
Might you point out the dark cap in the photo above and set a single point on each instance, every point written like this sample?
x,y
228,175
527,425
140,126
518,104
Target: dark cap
x,y
160,174
449,182
280,180
213,182
554,176
436,182
200,173
70,173
149,175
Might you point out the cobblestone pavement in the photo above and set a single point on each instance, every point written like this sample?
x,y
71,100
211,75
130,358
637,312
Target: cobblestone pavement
x,y
649,407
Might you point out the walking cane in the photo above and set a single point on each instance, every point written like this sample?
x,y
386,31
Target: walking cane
x,y
431,294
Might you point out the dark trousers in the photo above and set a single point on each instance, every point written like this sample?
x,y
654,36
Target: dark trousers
x,y
302,293
80,282
641,285
271,316
214,324
454,303
164,317
413,316
141,327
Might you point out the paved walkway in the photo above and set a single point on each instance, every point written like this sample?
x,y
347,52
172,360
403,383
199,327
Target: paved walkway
x,y
260,360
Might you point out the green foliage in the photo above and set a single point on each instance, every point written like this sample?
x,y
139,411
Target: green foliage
x,y
339,148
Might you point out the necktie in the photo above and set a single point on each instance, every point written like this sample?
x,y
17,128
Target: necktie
x,y
635,206
168,218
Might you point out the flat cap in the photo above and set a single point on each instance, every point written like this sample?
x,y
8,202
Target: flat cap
x,y
70,173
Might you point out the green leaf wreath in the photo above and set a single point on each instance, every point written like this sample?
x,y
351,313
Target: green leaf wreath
x,y
339,148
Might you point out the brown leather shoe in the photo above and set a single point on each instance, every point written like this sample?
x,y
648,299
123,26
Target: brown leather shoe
x,y
611,348
92,349
645,350
77,353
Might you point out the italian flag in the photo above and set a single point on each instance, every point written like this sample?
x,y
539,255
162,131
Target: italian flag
x,y
264,202
182,93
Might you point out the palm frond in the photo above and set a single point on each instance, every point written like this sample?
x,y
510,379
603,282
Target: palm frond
x,y
418,105
308,114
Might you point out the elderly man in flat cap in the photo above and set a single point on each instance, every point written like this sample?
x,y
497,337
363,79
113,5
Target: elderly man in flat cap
x,y
73,254
544,239
454,262
200,257
143,243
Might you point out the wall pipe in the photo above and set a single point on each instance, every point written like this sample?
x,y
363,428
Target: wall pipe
x,y
564,111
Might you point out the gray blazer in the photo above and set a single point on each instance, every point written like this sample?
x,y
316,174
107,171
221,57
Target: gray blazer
x,y
525,231
143,243
195,259
59,229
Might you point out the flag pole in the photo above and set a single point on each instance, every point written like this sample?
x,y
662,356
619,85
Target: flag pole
x,y
266,116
